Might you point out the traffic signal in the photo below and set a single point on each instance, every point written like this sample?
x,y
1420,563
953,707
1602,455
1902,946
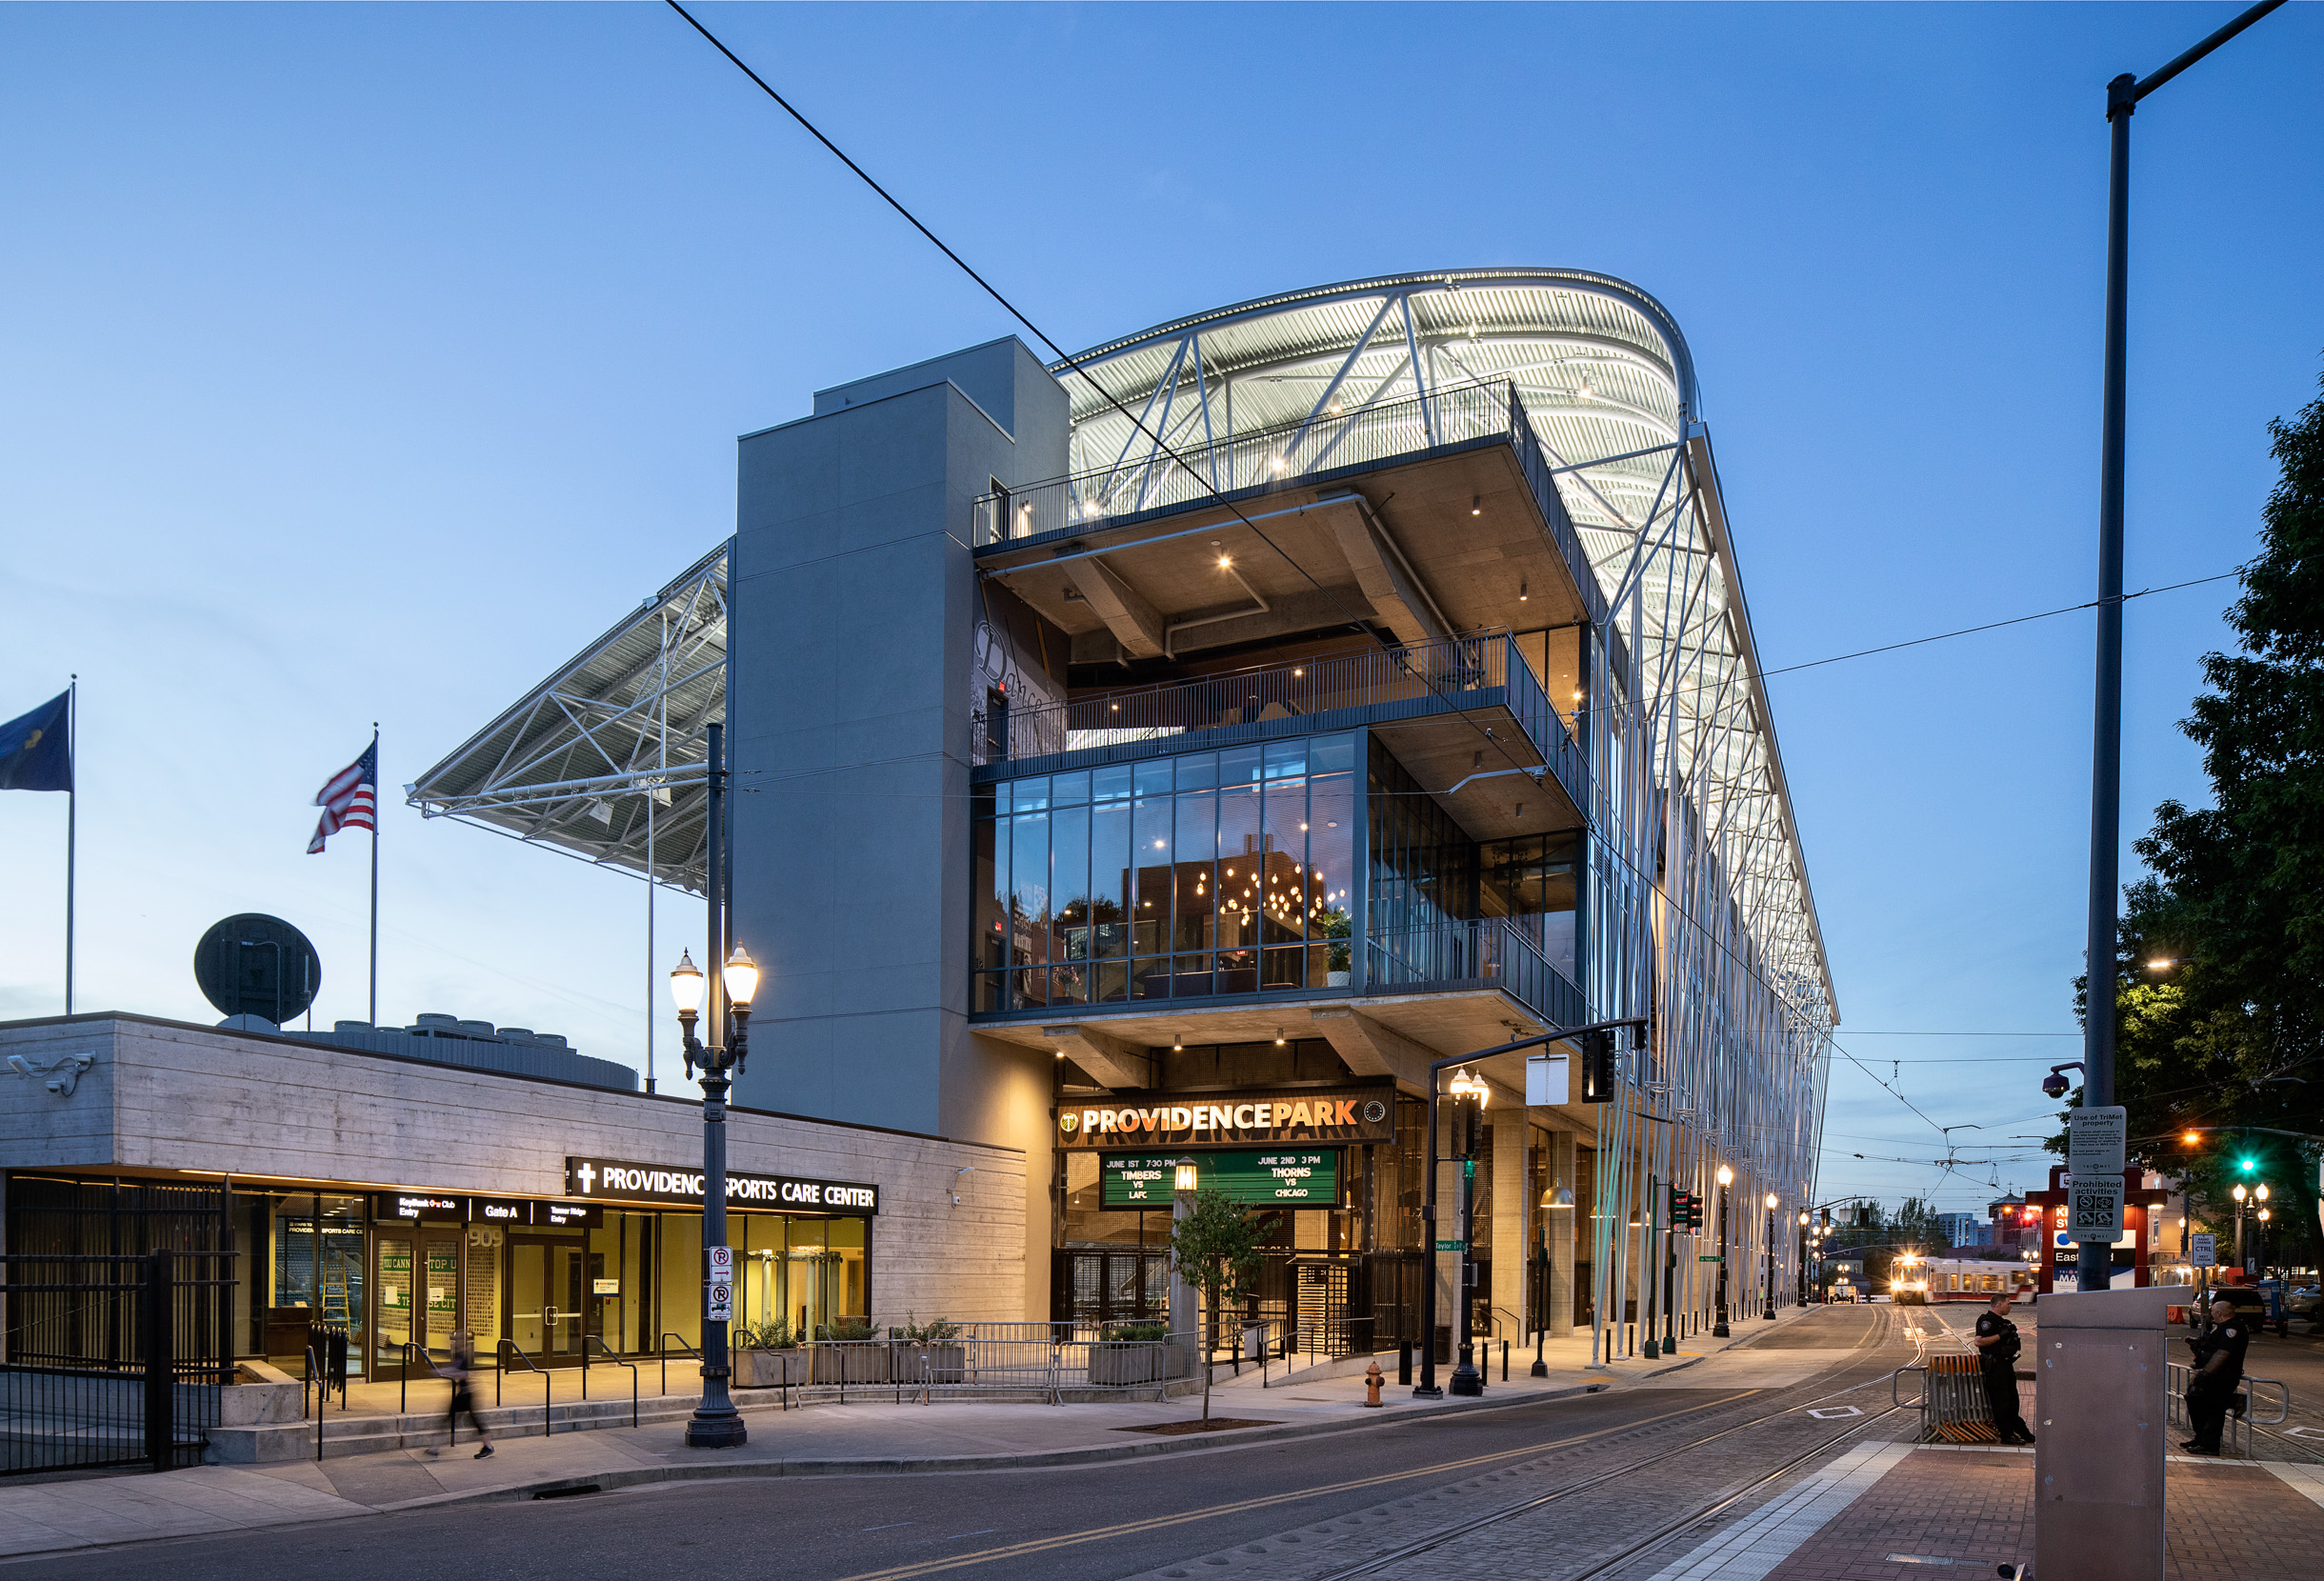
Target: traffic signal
x,y
1598,1068
1695,1209
2247,1164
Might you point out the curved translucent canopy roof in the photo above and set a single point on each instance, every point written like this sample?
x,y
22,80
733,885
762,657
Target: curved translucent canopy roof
x,y
1608,382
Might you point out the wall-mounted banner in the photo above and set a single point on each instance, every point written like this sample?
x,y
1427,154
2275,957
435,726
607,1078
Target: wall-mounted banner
x,y
619,1180
1292,1178
1291,1116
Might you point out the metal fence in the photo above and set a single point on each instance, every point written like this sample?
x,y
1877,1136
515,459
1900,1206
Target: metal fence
x,y
1288,699
1267,458
2236,1436
1494,950
112,1359
1052,1363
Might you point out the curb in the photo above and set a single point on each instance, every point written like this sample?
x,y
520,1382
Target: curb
x,y
899,1466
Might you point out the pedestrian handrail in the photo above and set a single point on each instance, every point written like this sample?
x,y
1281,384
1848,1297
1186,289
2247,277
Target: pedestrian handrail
x,y
321,1398
1914,1403
662,1346
2283,1407
403,1385
508,1348
588,1340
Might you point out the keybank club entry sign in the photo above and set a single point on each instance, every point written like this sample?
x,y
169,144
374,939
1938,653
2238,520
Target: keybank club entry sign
x,y
1290,1117
1290,1178
619,1180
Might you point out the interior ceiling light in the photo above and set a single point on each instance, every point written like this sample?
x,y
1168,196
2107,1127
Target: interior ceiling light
x,y
1278,1037
1521,594
1476,505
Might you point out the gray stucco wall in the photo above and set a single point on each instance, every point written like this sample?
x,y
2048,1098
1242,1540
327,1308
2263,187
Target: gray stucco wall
x,y
854,607
166,1096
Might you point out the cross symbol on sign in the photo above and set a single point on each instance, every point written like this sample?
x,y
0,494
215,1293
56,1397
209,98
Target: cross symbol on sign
x,y
586,1175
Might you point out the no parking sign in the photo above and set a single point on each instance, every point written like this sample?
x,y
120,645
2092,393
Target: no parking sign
x,y
720,1306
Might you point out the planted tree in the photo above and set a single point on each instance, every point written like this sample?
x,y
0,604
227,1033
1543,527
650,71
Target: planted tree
x,y
1215,1248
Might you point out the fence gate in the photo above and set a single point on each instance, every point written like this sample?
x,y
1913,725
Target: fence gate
x,y
112,1359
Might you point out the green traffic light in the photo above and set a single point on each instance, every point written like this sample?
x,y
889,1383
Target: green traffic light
x,y
2246,1165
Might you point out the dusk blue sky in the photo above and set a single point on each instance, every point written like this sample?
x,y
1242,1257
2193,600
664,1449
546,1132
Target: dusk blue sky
x,y
365,361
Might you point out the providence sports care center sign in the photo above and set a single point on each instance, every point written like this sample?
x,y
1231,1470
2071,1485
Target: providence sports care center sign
x,y
1287,1117
620,1180
1290,1178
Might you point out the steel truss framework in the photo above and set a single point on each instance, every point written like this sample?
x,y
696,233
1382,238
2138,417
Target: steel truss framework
x,y
605,758
1698,890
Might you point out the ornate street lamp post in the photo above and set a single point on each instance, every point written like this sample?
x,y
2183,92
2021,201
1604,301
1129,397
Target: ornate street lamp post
x,y
1469,1097
1769,1313
1726,1178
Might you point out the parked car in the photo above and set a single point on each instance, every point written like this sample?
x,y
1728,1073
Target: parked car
x,y
2251,1304
2304,1303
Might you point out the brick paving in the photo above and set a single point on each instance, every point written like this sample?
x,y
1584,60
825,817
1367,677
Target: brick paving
x,y
1976,1507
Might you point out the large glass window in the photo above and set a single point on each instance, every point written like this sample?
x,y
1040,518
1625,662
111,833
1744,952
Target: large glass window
x,y
1208,873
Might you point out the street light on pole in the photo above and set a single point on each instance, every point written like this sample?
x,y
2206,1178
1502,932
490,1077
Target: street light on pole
x,y
2095,1258
1726,1178
1470,1098
1769,1313
715,1424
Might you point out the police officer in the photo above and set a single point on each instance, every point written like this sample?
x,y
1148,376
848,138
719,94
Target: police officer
x,y
2218,1368
1998,1345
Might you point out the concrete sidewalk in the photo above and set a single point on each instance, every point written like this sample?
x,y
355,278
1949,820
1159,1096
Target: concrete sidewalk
x,y
859,1438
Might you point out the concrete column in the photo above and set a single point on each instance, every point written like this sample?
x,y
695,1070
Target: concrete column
x,y
1563,1228
1513,1223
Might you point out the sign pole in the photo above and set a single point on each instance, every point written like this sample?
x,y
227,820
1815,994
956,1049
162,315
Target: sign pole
x,y
376,798
72,818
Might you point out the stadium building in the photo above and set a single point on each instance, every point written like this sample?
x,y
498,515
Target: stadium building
x,y
1174,749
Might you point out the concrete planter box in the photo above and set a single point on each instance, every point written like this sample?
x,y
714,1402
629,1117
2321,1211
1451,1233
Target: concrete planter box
x,y
863,1361
940,1361
1138,1362
758,1369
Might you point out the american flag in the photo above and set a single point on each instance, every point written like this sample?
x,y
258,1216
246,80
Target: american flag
x,y
351,800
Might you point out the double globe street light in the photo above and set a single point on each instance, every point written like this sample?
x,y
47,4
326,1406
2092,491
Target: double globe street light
x,y
715,1424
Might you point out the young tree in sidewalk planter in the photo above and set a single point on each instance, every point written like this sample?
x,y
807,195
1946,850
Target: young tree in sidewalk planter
x,y
1215,1248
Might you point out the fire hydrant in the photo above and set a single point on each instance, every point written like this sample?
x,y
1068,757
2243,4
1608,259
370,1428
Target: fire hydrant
x,y
1371,1385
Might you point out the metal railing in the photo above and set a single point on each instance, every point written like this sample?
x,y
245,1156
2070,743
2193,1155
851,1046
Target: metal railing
x,y
112,1359
588,1340
1277,457
662,1349
2235,1435
501,1355
404,1353
1047,1362
1465,672
322,1397
1493,951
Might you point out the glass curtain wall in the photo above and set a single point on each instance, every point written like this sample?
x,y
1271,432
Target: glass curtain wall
x,y
1207,873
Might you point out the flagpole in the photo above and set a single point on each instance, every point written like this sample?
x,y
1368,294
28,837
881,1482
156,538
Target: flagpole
x,y
73,820
376,812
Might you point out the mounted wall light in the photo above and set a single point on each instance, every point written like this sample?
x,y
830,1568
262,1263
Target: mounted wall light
x,y
1184,1175
1521,593
1476,505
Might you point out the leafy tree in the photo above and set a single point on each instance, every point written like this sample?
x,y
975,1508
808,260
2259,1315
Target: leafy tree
x,y
2218,974
1215,1248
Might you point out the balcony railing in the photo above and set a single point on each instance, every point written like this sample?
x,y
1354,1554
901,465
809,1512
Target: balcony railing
x,y
1294,699
1495,951
1145,480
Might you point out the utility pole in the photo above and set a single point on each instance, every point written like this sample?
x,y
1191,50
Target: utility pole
x,y
2096,1264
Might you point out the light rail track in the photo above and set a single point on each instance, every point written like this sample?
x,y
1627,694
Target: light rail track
x,y
1694,1517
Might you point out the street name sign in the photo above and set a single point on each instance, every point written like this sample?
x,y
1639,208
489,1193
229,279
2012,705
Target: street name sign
x,y
2095,1139
1452,1246
2203,1250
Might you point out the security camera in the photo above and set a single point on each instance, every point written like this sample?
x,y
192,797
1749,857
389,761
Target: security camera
x,y
2055,1084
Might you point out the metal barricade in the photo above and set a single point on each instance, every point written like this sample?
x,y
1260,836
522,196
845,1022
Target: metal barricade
x,y
1952,1402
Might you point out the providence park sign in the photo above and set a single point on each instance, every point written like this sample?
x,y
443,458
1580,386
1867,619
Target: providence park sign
x,y
619,1180
1282,1116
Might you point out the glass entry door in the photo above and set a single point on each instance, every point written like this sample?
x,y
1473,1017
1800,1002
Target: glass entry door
x,y
548,1299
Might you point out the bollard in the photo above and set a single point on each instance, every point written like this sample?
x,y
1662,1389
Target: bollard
x,y
1505,1361
1372,1379
1404,1361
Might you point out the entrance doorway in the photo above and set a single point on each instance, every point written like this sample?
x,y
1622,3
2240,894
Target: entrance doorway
x,y
548,1299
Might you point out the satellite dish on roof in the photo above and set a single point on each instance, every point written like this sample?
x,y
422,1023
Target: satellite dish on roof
x,y
259,966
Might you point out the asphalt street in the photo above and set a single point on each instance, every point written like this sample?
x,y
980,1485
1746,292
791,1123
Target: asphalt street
x,y
1297,1508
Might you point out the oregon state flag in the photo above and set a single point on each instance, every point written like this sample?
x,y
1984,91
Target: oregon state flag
x,y
36,751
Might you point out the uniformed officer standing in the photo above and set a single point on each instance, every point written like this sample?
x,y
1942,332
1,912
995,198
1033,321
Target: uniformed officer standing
x,y
2218,1368
1998,1345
